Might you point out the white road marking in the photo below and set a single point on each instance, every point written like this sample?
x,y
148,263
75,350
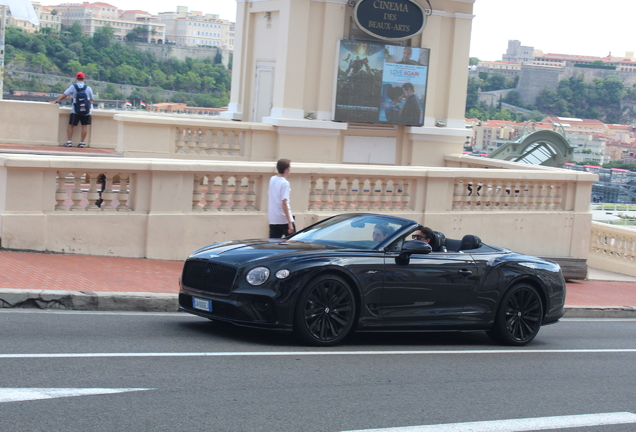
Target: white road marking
x,y
519,425
316,353
8,394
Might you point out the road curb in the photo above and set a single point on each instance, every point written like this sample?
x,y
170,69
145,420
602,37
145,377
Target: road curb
x,y
88,300
157,302
600,312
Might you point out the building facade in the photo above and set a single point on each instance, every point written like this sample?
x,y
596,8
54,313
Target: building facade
x,y
93,16
193,28
49,18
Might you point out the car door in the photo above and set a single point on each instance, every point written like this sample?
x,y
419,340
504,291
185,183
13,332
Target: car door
x,y
427,288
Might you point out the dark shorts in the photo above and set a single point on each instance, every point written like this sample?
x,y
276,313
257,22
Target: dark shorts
x,y
75,119
278,231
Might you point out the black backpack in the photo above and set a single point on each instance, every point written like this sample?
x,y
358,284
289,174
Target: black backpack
x,y
81,103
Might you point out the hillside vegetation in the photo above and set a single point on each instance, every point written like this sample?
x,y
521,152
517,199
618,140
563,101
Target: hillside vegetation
x,y
101,58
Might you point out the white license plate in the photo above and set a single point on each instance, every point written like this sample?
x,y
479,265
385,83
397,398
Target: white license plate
x,y
202,304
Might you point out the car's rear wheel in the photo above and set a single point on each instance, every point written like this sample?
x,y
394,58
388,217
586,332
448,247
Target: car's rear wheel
x,y
325,311
519,316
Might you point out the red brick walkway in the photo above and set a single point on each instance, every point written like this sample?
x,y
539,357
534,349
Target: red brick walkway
x,y
31,270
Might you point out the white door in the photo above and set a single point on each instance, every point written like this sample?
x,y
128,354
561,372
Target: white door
x,y
264,92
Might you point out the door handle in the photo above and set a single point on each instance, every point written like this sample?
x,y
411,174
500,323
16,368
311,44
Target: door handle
x,y
465,272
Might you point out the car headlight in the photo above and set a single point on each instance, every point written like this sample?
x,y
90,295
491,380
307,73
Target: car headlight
x,y
257,276
282,274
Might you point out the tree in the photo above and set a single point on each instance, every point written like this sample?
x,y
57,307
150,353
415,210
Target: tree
x,y
473,61
103,36
40,62
496,81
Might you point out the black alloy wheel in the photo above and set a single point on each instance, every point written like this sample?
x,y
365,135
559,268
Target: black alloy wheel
x,y
519,316
325,311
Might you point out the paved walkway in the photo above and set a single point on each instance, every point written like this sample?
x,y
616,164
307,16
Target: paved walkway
x,y
140,278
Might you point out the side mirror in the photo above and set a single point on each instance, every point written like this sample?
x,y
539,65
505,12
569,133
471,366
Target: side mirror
x,y
416,247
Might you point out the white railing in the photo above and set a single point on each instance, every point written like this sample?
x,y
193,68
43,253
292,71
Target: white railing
x,y
209,141
163,208
472,194
374,194
613,248
78,191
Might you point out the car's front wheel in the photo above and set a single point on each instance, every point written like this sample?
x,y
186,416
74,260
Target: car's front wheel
x,y
519,316
325,311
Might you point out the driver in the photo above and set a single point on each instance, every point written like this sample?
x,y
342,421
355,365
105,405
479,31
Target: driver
x,y
424,234
381,231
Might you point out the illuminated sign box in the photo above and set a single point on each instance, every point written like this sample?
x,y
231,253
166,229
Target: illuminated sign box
x,y
381,83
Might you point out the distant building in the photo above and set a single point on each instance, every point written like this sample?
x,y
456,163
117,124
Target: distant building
x,y
48,16
197,29
93,16
517,53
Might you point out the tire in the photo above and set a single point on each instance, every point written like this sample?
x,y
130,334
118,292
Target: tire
x,y
325,311
519,316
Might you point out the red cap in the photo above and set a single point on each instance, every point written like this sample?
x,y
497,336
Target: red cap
x,y
80,75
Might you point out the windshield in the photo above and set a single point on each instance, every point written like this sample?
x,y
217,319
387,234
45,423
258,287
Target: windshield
x,y
360,232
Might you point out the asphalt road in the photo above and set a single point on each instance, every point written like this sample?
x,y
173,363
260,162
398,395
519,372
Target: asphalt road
x,y
91,371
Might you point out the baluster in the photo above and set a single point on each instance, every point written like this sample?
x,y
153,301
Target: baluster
x,y
76,194
196,193
395,196
108,195
406,198
384,197
179,141
359,195
93,194
472,199
337,195
191,141
237,196
348,197
123,195
235,146
506,195
224,195
485,195
199,139
213,142
458,188
250,196
373,197
324,195
557,201
60,192
210,196
312,194
525,201
224,148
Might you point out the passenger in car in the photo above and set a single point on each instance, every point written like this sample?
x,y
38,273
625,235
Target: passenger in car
x,y
381,231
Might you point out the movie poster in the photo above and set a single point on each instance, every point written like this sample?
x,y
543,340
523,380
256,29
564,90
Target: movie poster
x,y
381,84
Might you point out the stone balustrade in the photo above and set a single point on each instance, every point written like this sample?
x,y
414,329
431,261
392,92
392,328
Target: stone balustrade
x,y
613,248
166,208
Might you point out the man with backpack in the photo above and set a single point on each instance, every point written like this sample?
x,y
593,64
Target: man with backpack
x,y
80,109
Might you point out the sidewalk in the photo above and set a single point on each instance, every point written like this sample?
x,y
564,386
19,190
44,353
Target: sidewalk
x,y
85,282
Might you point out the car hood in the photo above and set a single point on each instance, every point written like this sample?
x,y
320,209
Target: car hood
x,y
236,253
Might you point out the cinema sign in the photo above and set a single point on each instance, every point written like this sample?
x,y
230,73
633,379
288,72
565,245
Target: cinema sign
x,y
391,20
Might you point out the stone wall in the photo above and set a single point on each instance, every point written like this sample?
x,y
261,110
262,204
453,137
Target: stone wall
x,y
164,52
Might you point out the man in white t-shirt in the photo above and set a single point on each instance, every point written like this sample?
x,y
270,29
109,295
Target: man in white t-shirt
x,y
281,220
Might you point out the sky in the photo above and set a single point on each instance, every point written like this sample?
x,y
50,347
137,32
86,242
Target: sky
x,y
583,27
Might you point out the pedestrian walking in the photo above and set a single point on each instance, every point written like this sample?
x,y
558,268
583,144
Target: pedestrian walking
x,y
279,214
80,108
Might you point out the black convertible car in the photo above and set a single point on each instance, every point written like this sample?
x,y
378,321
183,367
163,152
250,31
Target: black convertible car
x,y
336,277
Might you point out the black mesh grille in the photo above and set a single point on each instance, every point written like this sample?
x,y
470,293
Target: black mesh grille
x,y
207,276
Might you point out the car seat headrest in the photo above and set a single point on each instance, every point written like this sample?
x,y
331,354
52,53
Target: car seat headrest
x,y
470,241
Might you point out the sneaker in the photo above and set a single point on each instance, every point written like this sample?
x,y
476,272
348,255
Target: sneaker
x,y
81,145
69,144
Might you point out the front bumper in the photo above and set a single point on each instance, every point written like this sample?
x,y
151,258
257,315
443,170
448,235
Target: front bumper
x,y
240,309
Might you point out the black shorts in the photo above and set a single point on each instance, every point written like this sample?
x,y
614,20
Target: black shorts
x,y
75,119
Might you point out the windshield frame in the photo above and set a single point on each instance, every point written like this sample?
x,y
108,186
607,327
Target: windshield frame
x,y
308,234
